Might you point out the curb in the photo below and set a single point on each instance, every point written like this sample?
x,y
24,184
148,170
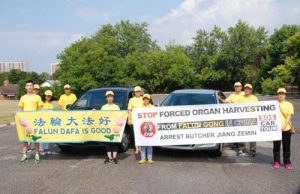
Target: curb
x,y
5,125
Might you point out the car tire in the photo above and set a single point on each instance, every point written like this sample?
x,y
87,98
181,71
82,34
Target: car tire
x,y
65,148
219,151
125,142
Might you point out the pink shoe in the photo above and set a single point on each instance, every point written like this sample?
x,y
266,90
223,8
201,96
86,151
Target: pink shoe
x,y
288,166
276,164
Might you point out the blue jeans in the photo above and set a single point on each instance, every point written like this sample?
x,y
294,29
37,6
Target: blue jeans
x,y
146,150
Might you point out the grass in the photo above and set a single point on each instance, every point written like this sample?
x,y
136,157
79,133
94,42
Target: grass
x,y
8,108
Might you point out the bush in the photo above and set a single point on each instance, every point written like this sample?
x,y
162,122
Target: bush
x,y
269,86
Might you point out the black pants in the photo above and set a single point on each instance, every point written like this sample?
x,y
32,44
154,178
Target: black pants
x,y
286,146
111,147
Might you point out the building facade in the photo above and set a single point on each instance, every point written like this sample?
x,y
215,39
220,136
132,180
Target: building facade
x,y
7,66
54,67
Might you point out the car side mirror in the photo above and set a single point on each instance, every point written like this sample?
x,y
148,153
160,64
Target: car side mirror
x,y
157,105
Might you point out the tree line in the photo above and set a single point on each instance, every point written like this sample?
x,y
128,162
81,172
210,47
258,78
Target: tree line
x,y
124,54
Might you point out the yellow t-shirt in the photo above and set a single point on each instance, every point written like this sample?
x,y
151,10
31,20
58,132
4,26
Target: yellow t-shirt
x,y
286,108
148,106
134,102
250,98
110,107
64,100
234,97
48,105
30,102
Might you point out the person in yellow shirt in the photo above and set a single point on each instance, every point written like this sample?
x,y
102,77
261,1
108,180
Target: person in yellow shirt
x,y
247,97
30,102
234,97
111,148
68,98
286,111
146,150
47,98
134,102
36,89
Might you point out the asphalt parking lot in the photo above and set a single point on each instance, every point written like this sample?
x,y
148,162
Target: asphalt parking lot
x,y
82,170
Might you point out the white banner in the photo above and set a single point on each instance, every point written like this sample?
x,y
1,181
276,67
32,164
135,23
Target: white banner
x,y
200,124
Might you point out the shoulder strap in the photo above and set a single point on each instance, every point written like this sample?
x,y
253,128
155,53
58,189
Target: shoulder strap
x,y
281,111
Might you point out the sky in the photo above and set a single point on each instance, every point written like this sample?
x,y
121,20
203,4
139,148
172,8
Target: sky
x,y
36,31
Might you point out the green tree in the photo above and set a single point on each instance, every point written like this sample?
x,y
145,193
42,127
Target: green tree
x,y
221,57
96,61
277,43
292,60
3,77
15,75
45,76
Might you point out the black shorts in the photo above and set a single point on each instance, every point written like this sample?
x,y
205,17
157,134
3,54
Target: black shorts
x,y
111,147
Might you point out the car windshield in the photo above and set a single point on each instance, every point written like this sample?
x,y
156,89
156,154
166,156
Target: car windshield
x,y
96,99
181,99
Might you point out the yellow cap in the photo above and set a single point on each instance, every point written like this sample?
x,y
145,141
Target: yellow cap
x,y
147,96
48,93
237,84
248,86
281,90
67,86
109,93
36,86
137,88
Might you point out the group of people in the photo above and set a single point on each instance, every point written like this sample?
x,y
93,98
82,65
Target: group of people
x,y
286,111
32,101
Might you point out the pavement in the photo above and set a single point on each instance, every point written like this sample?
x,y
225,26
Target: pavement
x,y
82,170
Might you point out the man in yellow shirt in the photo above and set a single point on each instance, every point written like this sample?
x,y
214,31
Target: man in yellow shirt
x,y
68,98
248,97
234,97
286,111
134,102
111,148
30,102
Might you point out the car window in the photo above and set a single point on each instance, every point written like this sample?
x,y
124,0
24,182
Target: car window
x,y
96,99
222,96
177,99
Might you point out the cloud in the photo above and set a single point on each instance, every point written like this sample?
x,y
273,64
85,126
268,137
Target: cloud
x,y
34,47
91,14
37,41
181,24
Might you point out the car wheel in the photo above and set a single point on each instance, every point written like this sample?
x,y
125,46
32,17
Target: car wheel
x,y
125,142
219,151
65,148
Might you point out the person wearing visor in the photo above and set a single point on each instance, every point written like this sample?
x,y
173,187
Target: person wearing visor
x,y
111,147
146,150
36,89
286,112
48,105
247,97
134,102
235,96
68,98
